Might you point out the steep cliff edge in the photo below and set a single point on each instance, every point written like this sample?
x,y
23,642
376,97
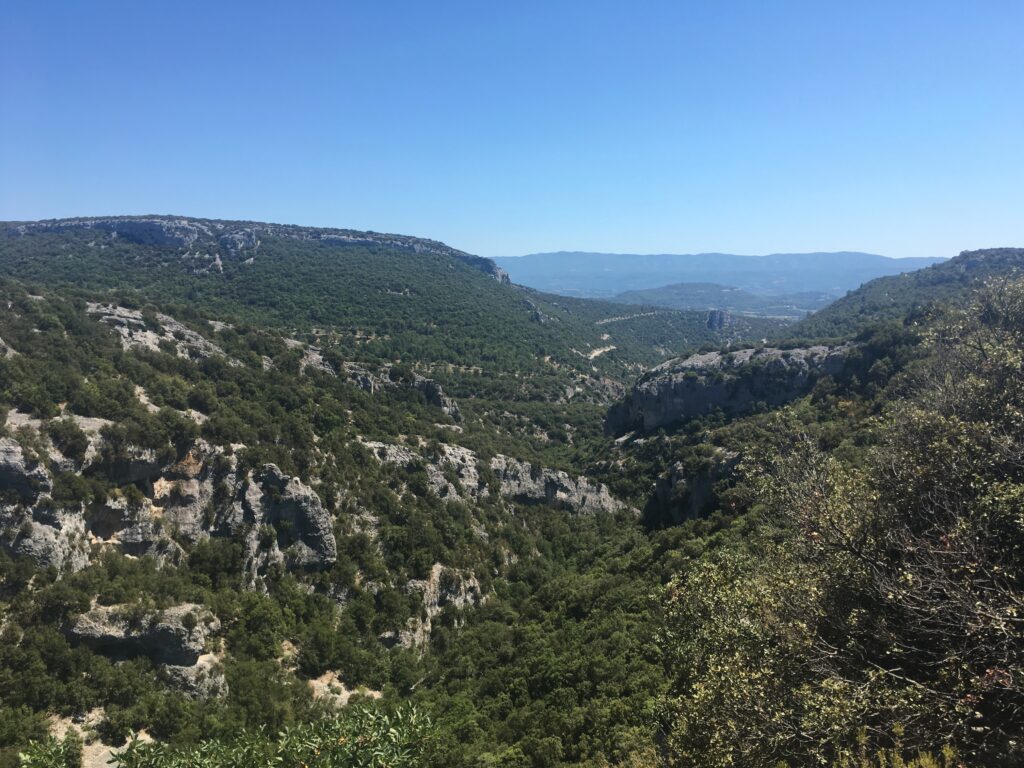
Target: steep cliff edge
x,y
735,382
458,472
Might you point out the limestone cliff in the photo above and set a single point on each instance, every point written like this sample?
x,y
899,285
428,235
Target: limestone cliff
x,y
177,639
735,382
458,472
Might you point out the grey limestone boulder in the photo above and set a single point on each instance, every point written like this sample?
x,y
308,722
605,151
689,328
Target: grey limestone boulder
x,y
20,474
303,529
176,636
51,538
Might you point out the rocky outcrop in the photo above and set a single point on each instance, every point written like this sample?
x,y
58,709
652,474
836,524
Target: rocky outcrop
x,y
177,635
176,638
202,680
139,332
20,475
532,484
185,492
136,531
434,395
432,392
209,243
462,478
444,588
455,472
92,427
303,529
734,382
718,319
30,525
312,357
51,538
130,464
365,379
278,518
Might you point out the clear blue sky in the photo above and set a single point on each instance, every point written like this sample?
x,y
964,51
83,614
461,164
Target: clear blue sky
x,y
506,128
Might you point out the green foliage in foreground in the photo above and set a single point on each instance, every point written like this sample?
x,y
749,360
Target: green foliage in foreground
x,y
362,737
51,753
896,758
882,595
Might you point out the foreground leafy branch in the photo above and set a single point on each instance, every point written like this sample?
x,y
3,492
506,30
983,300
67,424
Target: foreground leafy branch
x,y
362,737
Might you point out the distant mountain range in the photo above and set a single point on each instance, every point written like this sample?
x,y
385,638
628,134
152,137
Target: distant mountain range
x,y
574,273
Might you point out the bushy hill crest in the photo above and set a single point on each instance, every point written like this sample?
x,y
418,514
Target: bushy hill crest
x,y
896,296
211,242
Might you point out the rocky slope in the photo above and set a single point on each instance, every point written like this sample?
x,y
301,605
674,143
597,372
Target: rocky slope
x,y
178,639
734,382
444,588
280,520
456,472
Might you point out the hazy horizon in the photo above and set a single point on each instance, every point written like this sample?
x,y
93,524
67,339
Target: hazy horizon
x,y
843,251
742,127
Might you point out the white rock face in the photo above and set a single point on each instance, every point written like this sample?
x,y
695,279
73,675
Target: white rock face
x,y
454,457
443,588
177,635
49,537
374,382
279,519
135,531
435,395
305,530
20,475
532,484
202,680
518,481
30,525
137,333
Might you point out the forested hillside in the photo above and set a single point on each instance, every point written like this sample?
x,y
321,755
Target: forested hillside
x,y
897,296
283,496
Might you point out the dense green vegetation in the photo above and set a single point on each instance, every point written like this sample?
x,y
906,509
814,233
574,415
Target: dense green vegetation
x,y
844,589
898,296
881,593
376,302
361,737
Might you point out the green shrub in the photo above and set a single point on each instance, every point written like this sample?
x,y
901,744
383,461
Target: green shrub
x,y
361,737
51,753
